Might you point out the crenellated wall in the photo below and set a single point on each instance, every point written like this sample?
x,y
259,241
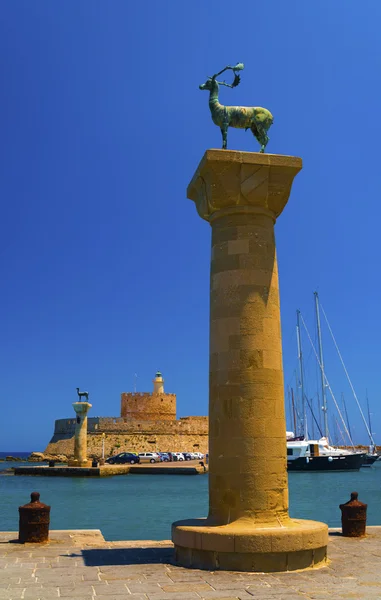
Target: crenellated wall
x,y
148,407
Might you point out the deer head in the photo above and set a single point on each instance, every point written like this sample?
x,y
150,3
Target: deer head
x,y
211,81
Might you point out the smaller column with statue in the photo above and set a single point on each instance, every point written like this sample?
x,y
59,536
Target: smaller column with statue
x,y
80,440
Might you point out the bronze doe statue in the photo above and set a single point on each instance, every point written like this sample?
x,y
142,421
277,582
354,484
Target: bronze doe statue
x,y
258,119
82,395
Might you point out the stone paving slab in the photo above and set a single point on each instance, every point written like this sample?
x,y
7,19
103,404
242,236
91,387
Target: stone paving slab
x,y
82,565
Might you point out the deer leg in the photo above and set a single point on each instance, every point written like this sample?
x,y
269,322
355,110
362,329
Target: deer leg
x,y
265,143
261,136
224,131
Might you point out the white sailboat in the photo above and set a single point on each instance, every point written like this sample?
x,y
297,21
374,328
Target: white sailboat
x,y
372,455
318,455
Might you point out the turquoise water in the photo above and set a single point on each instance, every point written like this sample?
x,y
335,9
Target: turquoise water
x,y
144,506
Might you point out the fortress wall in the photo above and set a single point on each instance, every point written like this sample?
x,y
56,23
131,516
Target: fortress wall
x,y
67,426
137,442
64,426
186,434
186,425
149,407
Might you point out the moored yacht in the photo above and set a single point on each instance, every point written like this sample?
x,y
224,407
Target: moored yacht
x,y
370,457
304,454
318,455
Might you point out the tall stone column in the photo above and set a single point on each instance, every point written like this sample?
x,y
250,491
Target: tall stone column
x,y
248,528
80,439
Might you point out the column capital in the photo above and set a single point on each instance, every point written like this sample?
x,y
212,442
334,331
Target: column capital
x,y
82,408
229,181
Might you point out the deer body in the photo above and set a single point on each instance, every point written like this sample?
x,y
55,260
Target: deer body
x,y
255,118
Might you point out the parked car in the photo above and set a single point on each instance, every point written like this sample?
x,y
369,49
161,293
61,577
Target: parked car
x,y
123,458
178,455
151,457
188,455
198,455
164,456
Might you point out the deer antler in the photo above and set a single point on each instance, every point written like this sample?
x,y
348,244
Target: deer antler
x,y
236,82
237,67
237,78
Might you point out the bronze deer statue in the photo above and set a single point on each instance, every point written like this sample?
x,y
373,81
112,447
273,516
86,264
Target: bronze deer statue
x,y
82,395
258,119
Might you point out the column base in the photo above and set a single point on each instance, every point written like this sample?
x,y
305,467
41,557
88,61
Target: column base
x,y
79,463
238,547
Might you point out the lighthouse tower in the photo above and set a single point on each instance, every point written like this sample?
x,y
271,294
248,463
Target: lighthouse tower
x,y
146,406
158,383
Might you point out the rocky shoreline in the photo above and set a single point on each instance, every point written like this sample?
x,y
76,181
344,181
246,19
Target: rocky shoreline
x,y
37,457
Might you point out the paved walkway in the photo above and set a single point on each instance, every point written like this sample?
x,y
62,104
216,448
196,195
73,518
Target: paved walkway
x,y
83,566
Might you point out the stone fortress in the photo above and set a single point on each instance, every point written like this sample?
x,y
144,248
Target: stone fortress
x,y
147,423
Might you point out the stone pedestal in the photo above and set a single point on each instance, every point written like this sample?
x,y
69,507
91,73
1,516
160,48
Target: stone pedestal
x,y
80,440
248,527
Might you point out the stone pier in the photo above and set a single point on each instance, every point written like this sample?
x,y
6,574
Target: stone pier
x,y
80,439
248,528
82,565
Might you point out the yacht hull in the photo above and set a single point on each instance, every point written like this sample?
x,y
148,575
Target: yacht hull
x,y
346,462
369,460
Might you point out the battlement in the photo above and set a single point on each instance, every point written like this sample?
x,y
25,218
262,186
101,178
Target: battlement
x,y
195,418
65,428
144,406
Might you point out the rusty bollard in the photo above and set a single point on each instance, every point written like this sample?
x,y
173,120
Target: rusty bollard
x,y
34,520
353,517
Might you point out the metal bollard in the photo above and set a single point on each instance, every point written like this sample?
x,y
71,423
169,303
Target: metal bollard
x,y
353,517
34,520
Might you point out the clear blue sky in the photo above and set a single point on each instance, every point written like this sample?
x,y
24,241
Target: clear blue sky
x,y
104,263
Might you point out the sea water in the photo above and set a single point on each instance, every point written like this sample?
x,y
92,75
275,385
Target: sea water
x,y
142,507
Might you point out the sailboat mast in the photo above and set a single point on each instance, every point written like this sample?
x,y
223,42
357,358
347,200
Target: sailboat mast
x,y
370,425
321,360
346,414
300,356
293,410
289,406
367,405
